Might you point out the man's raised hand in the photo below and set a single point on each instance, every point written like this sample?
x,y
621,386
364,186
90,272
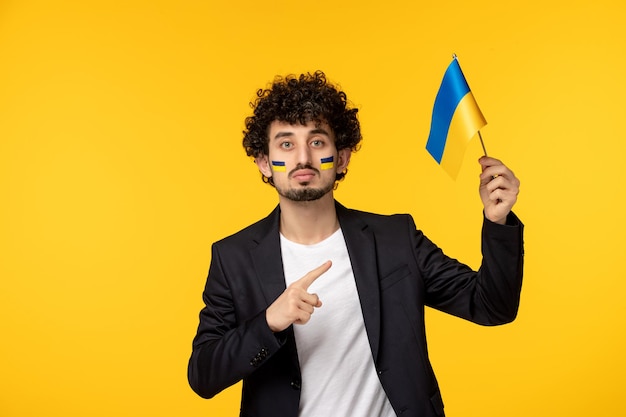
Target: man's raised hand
x,y
295,304
499,188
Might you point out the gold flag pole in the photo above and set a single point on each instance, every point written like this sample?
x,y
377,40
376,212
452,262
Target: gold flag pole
x,y
482,143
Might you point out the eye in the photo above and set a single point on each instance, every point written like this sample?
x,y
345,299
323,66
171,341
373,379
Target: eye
x,y
286,145
316,143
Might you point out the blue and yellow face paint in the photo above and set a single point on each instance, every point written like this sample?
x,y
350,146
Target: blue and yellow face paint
x,y
327,163
279,166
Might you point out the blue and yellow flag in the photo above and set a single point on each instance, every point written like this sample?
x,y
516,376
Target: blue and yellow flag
x,y
279,166
456,119
327,163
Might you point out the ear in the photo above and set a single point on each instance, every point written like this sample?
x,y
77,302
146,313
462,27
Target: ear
x,y
343,158
262,162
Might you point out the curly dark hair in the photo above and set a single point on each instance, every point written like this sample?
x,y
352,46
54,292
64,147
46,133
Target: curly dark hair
x,y
299,100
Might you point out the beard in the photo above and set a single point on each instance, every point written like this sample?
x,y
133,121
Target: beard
x,y
305,194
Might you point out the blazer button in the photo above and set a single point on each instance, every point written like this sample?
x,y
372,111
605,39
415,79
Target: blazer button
x,y
295,385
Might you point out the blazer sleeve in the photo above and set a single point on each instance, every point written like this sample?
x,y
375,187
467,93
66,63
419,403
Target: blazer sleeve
x,y
489,296
226,350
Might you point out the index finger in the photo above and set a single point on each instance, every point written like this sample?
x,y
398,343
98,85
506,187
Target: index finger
x,y
493,168
311,276
487,161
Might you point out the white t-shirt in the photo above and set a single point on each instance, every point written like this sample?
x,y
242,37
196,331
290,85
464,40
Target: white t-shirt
x,y
338,373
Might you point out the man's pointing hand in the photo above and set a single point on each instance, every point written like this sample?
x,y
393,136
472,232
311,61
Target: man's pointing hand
x,y
295,304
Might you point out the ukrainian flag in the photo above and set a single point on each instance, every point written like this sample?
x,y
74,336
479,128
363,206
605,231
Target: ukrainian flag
x,y
279,166
456,119
327,163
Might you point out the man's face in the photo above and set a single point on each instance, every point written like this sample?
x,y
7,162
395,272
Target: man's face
x,y
303,160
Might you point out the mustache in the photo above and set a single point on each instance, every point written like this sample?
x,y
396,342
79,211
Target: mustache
x,y
303,166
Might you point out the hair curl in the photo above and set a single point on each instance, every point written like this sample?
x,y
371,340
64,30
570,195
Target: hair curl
x,y
299,100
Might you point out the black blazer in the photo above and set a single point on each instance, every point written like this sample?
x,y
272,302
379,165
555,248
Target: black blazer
x,y
397,271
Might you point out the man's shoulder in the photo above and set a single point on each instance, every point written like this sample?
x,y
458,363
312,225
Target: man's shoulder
x,y
372,216
375,220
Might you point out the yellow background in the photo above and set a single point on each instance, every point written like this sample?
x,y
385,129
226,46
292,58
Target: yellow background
x,y
121,162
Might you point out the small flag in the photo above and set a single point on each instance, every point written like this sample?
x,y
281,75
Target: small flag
x,y
327,163
279,166
456,119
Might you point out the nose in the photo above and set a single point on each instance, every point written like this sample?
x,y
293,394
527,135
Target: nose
x,y
304,155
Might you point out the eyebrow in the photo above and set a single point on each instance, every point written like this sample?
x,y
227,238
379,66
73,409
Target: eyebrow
x,y
316,131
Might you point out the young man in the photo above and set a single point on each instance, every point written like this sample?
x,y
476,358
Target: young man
x,y
319,309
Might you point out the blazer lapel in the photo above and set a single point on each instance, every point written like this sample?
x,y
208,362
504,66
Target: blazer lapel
x,y
362,251
266,257
268,264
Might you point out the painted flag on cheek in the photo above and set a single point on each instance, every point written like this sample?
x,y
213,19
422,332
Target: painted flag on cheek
x,y
327,163
456,119
279,166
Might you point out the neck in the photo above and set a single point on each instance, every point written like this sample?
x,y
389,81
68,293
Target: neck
x,y
308,222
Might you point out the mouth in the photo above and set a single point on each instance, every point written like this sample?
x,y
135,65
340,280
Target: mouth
x,y
303,174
